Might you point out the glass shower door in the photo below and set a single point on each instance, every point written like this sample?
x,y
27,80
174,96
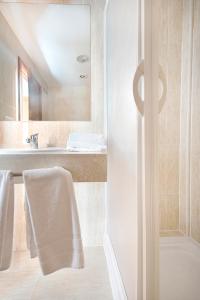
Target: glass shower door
x,y
178,150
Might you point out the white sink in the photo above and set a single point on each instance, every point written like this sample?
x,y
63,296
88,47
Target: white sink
x,y
30,150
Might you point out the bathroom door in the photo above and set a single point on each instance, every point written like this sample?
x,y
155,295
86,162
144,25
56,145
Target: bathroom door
x,y
124,197
132,224
179,150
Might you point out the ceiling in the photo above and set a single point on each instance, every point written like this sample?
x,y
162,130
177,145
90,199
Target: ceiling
x,y
54,36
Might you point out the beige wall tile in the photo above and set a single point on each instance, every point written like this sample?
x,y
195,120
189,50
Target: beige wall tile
x,y
195,128
195,197
169,119
169,212
169,171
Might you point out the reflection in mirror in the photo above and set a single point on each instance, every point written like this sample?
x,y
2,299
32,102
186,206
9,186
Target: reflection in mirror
x,y
45,62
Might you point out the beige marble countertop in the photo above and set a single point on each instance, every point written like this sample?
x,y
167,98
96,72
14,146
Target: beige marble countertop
x,y
84,166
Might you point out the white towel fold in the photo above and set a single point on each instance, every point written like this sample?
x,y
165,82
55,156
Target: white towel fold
x,y
30,240
6,218
86,142
52,219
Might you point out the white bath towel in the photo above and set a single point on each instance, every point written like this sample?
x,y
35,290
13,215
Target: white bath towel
x,y
86,142
6,218
52,219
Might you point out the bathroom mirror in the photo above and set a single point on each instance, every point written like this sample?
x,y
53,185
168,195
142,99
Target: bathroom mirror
x,y
45,62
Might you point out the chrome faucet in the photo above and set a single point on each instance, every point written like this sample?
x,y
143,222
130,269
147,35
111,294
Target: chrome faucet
x,y
33,140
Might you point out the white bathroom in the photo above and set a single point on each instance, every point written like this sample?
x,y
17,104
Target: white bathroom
x,y
99,149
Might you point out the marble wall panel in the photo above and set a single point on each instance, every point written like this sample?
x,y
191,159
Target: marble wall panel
x,y
169,119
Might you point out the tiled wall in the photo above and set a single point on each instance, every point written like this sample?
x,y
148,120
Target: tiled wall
x,y
190,122
74,103
13,134
169,120
185,128
179,140
195,128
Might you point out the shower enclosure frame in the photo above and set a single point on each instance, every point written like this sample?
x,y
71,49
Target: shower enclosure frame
x,y
151,109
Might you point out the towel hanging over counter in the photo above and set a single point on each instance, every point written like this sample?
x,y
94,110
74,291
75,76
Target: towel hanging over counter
x,y
53,230
6,218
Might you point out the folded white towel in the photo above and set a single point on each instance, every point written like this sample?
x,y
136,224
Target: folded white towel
x,y
6,218
86,142
52,219
86,149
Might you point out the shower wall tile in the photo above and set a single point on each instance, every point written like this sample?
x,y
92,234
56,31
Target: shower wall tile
x,y
196,125
195,197
184,174
169,171
187,54
195,128
169,212
169,119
